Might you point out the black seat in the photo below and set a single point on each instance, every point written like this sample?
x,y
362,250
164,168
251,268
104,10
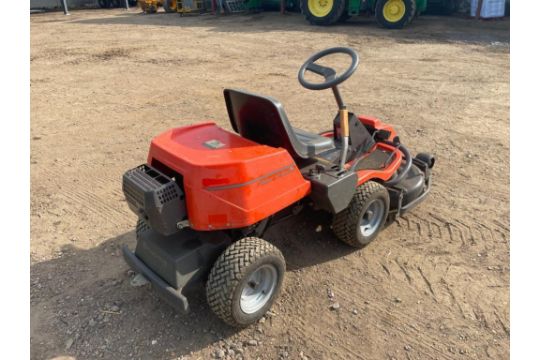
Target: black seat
x,y
262,119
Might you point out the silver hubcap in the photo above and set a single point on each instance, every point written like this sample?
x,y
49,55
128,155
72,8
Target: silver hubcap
x,y
372,218
258,289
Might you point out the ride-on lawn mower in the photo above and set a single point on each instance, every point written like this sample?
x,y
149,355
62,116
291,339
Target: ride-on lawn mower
x,y
206,195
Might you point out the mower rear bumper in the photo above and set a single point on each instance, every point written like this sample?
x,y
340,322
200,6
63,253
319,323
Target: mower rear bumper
x,y
171,295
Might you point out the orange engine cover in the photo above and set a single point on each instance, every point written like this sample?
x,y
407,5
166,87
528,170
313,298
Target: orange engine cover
x,y
229,181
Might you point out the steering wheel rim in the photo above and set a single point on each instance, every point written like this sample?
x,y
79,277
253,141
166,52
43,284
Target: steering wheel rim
x,y
329,74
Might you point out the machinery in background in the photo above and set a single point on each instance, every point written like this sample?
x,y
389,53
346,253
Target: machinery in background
x,y
391,14
106,4
150,6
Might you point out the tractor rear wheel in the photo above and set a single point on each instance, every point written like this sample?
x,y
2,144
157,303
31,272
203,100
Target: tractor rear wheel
x,y
169,6
365,216
395,14
245,280
324,12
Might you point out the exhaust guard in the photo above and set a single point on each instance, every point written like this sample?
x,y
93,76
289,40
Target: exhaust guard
x,y
154,197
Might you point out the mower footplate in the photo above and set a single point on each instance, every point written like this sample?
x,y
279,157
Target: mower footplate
x,y
171,295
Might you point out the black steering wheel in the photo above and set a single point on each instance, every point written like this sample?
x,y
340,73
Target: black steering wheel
x,y
330,78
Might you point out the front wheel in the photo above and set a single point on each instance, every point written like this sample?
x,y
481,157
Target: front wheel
x,y
245,280
324,12
361,221
395,14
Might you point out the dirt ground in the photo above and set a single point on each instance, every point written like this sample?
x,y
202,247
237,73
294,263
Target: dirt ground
x,y
435,285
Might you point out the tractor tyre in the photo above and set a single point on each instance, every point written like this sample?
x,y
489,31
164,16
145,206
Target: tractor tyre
x,y
365,216
245,280
344,17
395,14
170,6
324,12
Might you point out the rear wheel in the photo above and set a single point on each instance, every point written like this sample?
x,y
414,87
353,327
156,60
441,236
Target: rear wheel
x,y
324,12
395,14
361,221
245,280
169,6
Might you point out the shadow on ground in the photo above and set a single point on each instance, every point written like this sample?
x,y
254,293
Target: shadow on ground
x,y
84,293
427,29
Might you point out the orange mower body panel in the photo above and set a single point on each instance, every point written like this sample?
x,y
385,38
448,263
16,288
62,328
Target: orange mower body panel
x,y
229,181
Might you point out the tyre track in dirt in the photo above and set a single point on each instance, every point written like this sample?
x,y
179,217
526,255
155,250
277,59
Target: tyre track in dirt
x,y
433,279
454,232
384,320
95,197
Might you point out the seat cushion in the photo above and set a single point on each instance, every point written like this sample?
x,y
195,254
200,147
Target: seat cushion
x,y
315,143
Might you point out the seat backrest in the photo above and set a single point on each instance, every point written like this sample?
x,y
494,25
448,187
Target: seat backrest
x,y
262,119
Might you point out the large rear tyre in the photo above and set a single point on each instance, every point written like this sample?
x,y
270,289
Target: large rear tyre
x,y
169,6
395,14
323,12
361,221
245,280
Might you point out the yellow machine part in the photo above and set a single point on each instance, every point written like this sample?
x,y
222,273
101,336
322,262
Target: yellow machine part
x,y
150,6
187,6
394,10
320,8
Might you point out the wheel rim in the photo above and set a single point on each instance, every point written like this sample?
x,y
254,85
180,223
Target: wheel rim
x,y
258,289
394,10
371,219
320,8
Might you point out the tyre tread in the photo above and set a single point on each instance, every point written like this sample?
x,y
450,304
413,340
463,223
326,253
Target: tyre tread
x,y
229,270
345,222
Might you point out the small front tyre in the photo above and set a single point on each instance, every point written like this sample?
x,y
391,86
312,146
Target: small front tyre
x,y
361,221
245,280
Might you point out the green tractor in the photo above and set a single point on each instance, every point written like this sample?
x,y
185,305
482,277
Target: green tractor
x,y
391,14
